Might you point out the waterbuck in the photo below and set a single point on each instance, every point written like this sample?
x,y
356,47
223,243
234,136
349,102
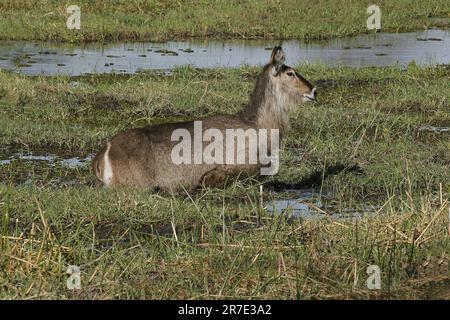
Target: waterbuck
x,y
156,157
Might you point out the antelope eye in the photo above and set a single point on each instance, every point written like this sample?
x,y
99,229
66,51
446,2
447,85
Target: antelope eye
x,y
291,74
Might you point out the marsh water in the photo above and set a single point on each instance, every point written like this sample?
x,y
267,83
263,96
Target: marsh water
x,y
377,49
313,204
48,160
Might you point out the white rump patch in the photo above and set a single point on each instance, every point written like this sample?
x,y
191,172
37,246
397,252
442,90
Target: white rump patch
x,y
107,168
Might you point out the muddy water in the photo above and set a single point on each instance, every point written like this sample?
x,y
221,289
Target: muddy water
x,y
310,204
381,49
51,160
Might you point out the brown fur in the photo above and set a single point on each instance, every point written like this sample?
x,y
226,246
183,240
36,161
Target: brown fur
x,y
142,157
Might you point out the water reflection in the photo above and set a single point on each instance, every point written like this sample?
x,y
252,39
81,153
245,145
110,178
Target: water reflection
x,y
380,49
311,205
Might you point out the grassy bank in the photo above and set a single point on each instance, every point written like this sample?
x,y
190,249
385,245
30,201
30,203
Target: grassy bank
x,y
164,19
360,142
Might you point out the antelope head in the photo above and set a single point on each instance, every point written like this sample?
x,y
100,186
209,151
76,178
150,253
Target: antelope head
x,y
289,81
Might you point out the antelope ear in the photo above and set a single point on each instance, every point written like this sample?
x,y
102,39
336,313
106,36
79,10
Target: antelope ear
x,y
277,59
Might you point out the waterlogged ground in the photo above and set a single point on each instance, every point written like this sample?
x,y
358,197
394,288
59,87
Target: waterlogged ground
x,y
364,180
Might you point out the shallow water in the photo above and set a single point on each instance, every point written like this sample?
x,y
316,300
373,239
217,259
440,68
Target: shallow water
x,y
311,205
434,129
71,163
380,49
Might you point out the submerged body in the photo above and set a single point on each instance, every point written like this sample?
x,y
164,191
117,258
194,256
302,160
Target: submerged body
x,y
143,157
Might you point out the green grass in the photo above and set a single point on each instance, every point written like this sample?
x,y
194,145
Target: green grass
x,y
222,243
139,245
166,19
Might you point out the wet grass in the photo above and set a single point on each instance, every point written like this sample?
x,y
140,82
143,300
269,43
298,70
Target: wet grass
x,y
164,19
361,142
